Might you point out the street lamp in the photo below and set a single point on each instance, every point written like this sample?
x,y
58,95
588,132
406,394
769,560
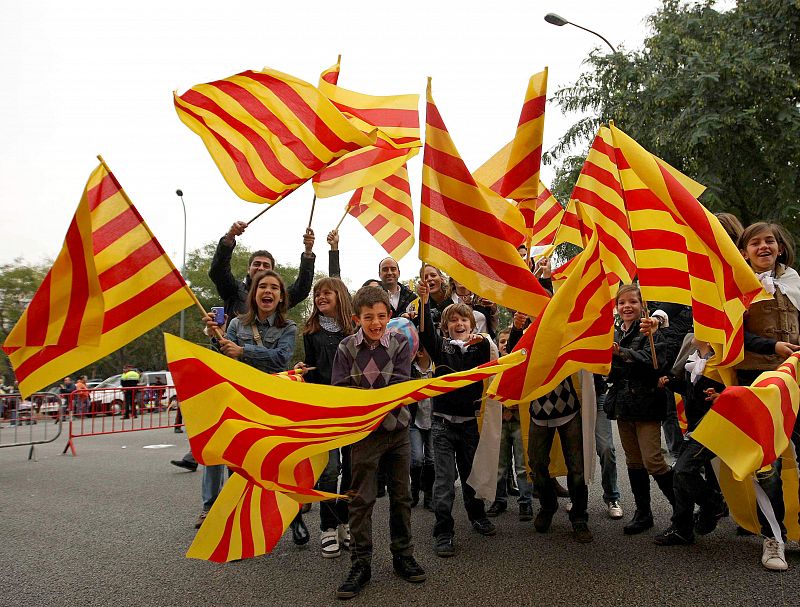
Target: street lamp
x,y
179,192
558,20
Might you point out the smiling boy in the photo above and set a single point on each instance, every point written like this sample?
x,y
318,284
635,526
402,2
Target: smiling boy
x,y
374,358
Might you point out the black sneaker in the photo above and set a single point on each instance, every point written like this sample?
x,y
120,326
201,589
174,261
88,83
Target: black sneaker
x,y
543,519
496,508
672,537
525,513
182,463
408,568
444,546
581,533
359,575
484,526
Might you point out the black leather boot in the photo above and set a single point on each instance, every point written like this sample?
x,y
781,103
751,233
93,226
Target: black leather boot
x,y
643,517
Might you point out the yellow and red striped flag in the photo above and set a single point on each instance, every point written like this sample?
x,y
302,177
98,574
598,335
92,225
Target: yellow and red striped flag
x,y
683,254
470,232
513,172
680,409
110,283
397,119
749,427
268,132
275,434
542,217
384,209
575,331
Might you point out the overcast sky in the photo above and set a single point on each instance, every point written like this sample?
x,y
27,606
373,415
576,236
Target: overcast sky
x,y
87,78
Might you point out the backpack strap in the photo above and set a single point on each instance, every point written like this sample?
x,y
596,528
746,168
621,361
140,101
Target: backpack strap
x,y
256,334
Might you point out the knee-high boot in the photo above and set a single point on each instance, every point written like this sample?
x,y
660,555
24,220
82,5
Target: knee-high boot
x,y
664,482
640,486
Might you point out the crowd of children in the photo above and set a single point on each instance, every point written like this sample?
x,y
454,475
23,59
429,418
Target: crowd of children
x,y
423,449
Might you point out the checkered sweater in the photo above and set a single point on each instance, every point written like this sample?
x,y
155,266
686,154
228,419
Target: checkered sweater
x,y
363,365
561,402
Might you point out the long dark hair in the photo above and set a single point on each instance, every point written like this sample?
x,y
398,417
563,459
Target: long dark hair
x,y
251,315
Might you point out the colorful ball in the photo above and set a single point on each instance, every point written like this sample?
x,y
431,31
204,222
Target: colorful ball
x,y
405,327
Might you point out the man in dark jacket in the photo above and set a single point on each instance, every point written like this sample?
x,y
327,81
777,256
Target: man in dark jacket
x,y
234,292
400,296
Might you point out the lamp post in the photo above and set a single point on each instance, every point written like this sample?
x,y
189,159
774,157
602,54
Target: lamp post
x,y
558,20
179,192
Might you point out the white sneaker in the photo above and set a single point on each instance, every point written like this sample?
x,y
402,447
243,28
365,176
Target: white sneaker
x,y
773,558
343,532
614,510
329,543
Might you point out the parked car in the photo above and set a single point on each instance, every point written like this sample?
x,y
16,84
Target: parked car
x,y
156,392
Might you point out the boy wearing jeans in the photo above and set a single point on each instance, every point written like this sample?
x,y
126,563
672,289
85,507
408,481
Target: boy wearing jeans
x,y
374,358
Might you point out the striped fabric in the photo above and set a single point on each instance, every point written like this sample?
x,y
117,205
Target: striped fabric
x,y
542,216
268,132
271,432
110,283
513,172
749,427
468,231
384,209
397,120
683,253
575,331
680,408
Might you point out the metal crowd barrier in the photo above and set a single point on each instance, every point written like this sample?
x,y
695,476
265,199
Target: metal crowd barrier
x,y
116,410
33,421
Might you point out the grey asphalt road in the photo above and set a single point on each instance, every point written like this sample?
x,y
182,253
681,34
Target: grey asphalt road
x,y
111,526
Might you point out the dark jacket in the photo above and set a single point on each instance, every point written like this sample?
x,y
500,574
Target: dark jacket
x,y
406,297
447,358
320,350
234,292
633,392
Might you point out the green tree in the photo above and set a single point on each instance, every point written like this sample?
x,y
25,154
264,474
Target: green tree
x,y
716,94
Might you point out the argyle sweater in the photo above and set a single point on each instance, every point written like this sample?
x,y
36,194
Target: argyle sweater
x,y
361,364
561,402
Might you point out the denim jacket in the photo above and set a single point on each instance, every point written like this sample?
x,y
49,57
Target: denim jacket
x,y
277,344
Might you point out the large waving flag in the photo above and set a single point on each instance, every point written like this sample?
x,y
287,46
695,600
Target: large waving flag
x,y
268,132
542,217
110,283
513,172
683,254
397,119
749,427
469,231
574,332
271,432
384,209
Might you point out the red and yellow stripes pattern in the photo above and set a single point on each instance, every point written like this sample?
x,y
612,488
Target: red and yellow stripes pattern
x,y
110,283
513,172
276,434
543,216
575,331
268,132
468,231
397,119
683,253
384,209
749,427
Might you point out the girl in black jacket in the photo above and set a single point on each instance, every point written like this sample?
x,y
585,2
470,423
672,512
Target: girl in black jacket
x,y
639,405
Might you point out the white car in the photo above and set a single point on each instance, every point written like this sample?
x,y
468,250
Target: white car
x,y
156,392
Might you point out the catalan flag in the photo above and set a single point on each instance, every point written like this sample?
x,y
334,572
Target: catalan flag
x,y
542,217
683,254
384,209
513,172
397,119
680,409
749,427
110,283
469,231
272,432
268,132
575,331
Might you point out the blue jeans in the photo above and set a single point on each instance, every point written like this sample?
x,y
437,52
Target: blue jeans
x,y
511,444
213,480
334,512
454,446
604,442
421,447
